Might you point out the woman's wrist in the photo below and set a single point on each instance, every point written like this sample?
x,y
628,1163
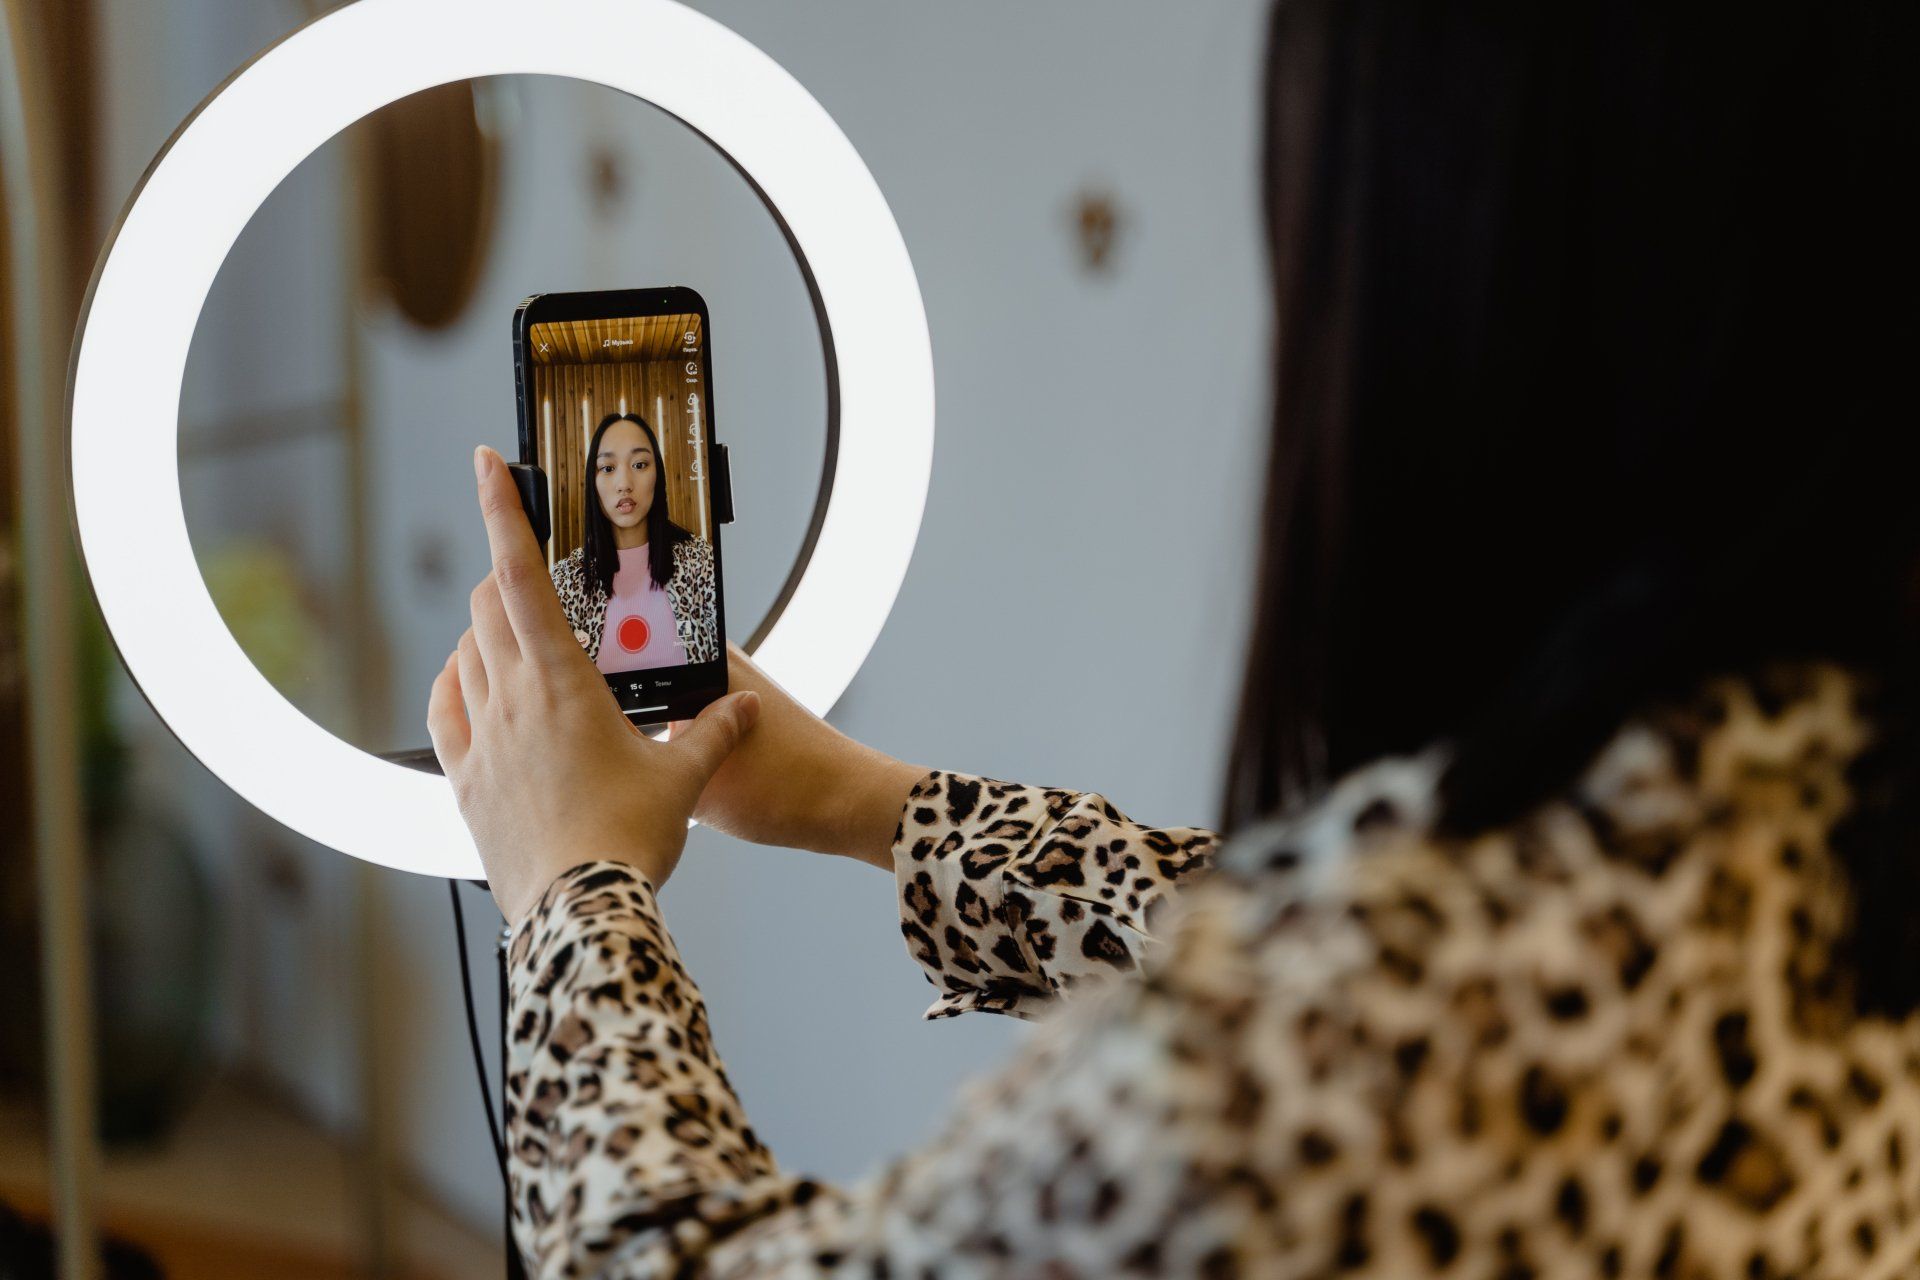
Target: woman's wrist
x,y
870,815
522,898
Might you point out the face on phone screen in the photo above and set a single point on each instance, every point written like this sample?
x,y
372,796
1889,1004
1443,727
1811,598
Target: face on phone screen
x,y
618,410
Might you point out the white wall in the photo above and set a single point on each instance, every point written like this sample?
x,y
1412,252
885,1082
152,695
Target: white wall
x,y
1075,607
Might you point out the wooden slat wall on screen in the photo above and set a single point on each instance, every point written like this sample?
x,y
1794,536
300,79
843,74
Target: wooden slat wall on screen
x,y
639,338
571,399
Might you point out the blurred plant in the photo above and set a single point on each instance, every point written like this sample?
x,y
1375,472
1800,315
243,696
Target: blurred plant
x,y
153,972
256,587
151,925
103,767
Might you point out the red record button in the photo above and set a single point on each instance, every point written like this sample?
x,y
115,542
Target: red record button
x,y
634,633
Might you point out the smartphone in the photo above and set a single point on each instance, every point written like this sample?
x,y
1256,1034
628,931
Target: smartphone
x,y
616,434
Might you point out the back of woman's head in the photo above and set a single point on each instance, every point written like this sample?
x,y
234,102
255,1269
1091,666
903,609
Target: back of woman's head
x,y
1589,381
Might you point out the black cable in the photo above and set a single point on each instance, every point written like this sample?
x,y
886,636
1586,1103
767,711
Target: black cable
x,y
516,1265
473,1028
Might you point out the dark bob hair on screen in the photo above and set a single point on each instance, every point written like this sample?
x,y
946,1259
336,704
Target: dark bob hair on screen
x,y
663,535
1591,382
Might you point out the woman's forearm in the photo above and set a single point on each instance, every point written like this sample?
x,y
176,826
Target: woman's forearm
x,y
630,1154
796,782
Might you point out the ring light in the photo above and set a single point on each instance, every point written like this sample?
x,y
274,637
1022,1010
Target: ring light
x,y
227,159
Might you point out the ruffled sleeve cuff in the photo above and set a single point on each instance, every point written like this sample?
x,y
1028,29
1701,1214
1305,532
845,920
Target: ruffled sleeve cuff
x,y
1011,895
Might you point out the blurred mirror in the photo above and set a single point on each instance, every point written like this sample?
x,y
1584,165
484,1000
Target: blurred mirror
x,y
339,381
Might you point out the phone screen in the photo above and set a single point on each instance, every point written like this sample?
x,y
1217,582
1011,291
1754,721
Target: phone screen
x,y
617,410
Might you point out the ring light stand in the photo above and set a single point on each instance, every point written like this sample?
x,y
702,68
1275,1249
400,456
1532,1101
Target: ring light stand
x,y
197,197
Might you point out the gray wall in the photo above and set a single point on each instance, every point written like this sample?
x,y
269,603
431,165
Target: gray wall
x,y
1076,603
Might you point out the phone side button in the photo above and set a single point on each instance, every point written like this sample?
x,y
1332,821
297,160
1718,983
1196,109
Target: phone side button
x,y
722,486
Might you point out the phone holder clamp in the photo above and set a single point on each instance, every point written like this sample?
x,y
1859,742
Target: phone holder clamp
x,y
532,484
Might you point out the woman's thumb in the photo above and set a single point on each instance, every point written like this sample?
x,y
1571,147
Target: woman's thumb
x,y
717,730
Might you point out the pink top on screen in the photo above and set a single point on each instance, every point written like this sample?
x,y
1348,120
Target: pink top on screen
x,y
639,631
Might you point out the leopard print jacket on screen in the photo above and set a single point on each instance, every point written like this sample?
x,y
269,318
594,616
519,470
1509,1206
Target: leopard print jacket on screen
x,y
1607,1041
690,591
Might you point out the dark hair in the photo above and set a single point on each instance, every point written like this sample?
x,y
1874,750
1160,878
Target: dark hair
x,y
1588,386
601,555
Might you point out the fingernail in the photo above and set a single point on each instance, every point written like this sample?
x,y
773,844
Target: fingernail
x,y
749,709
480,462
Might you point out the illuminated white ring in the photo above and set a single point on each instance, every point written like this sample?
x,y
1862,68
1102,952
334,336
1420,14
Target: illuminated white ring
x,y
223,164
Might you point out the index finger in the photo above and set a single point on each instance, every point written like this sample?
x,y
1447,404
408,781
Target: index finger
x,y
519,570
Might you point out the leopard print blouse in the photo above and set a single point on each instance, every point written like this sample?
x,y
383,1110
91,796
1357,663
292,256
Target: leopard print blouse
x,y
696,615
1607,1041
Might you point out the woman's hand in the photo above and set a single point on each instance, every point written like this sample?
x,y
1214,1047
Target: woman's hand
x,y
547,771
799,783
